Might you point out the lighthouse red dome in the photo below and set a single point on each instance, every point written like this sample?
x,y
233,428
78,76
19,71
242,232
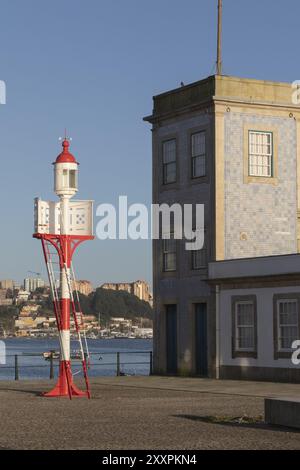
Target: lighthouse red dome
x,y
65,156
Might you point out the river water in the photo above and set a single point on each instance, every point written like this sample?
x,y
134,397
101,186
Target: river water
x,y
134,357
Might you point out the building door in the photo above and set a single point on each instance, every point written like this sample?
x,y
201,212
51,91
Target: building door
x,y
201,339
171,338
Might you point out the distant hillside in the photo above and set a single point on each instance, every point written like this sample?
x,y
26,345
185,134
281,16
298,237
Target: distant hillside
x,y
110,303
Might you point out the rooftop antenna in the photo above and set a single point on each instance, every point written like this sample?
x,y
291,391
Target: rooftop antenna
x,y
219,47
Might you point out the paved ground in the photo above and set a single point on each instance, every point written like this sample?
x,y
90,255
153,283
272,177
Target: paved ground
x,y
142,413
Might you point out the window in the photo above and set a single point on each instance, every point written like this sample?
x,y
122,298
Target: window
x,y
169,254
72,178
261,154
65,179
199,257
287,323
169,161
244,334
198,146
244,327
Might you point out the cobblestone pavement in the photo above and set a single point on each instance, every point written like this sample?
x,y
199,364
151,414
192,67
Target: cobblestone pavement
x,y
142,413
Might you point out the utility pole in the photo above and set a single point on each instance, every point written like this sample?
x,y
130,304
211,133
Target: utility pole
x,y
219,46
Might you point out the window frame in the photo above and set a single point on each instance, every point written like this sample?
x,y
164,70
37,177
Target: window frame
x,y
73,179
261,132
204,127
166,253
165,165
237,352
65,178
205,250
194,157
278,352
264,128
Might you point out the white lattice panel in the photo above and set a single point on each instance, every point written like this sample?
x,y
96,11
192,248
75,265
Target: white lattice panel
x,y
81,217
47,217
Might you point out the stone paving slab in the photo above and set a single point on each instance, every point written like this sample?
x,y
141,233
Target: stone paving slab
x,y
140,413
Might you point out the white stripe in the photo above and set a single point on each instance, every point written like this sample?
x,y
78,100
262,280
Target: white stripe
x,y
64,286
65,345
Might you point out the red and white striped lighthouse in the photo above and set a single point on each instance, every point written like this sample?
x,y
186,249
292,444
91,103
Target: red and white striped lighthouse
x,y
64,225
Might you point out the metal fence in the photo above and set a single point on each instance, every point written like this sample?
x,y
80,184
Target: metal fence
x,y
116,363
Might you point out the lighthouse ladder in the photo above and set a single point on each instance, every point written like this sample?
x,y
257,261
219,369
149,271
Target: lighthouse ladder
x,y
79,310
76,308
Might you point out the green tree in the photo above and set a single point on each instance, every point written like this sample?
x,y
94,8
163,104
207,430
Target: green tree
x,y
110,303
7,317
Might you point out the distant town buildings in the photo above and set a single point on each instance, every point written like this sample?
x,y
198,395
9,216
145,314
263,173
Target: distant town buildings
x,y
121,327
4,300
83,286
139,288
124,286
7,284
32,322
28,310
32,283
33,318
120,324
22,296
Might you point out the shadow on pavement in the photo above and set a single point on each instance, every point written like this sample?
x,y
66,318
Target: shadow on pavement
x,y
30,392
234,422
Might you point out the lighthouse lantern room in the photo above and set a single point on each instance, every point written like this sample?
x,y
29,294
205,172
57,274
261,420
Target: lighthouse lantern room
x,y
65,172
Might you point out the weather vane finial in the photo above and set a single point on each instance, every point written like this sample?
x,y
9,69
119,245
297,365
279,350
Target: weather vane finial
x,y
65,136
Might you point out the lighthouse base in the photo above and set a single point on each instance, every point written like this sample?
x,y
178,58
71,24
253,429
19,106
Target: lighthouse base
x,y
65,386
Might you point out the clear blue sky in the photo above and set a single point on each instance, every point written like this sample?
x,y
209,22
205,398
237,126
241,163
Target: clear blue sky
x,y
92,66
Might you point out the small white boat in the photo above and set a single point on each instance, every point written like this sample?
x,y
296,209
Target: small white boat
x,y
48,354
75,354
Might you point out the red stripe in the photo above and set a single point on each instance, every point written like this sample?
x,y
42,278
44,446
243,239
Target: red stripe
x,y
65,314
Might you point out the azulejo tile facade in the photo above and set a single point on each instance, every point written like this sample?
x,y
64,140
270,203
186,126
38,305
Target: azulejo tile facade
x,y
260,219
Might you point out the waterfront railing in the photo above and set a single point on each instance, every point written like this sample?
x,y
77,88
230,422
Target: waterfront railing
x,y
99,363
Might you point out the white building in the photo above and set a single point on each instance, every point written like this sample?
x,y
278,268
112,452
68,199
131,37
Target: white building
x,y
23,296
32,283
257,317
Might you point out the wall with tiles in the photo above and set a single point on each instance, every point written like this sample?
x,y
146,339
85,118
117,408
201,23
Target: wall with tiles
x,y
260,218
